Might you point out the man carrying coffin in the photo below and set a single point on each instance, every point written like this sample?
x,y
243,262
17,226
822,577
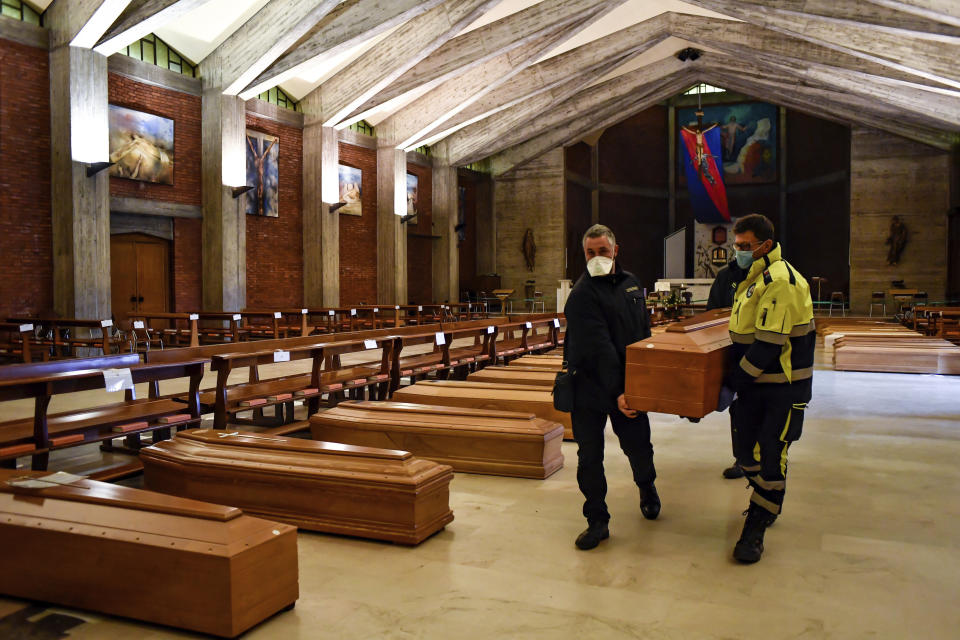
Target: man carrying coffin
x,y
774,337
605,312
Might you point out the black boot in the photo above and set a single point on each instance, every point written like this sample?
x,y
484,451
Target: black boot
x,y
733,472
649,502
749,547
593,535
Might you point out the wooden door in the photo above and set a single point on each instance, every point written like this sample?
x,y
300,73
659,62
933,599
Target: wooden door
x,y
140,274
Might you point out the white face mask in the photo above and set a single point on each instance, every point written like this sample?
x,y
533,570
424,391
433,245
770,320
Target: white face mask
x,y
599,266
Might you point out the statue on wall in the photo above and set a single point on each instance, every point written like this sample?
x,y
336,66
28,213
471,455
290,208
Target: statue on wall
x,y
897,240
529,248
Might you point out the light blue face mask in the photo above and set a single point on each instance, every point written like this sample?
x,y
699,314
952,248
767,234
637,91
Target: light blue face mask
x,y
744,259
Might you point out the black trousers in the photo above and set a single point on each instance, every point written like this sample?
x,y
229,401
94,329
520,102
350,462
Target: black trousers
x,y
766,419
634,436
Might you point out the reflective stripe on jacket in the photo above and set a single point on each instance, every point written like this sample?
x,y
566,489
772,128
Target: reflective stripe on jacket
x,y
771,325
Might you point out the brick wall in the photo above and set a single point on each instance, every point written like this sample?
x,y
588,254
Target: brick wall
x,y
26,241
184,109
419,244
274,245
358,234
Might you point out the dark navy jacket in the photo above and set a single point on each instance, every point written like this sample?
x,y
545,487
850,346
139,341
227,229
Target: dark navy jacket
x,y
604,314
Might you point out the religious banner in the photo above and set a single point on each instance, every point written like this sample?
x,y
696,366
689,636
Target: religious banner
x,y
263,174
700,152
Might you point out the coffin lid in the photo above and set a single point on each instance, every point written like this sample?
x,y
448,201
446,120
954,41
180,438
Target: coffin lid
x,y
473,384
701,333
111,495
411,407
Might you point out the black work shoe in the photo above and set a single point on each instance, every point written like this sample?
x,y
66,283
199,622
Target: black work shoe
x,y
649,502
733,472
592,536
749,547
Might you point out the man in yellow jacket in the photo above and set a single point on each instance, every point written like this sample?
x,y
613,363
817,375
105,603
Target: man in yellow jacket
x,y
773,334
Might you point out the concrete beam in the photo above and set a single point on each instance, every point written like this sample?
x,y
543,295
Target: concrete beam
x,y
931,56
600,118
261,40
589,61
143,17
81,23
381,65
467,51
519,123
347,26
946,11
391,235
411,124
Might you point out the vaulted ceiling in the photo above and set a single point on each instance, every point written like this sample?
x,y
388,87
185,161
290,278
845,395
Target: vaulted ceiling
x,y
510,79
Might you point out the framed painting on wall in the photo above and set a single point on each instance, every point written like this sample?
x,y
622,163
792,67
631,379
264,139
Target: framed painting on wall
x,y
748,133
141,145
351,189
263,174
412,209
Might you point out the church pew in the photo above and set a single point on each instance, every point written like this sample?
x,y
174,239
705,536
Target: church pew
x,y
508,345
217,327
174,329
515,375
16,342
321,486
420,365
505,443
467,358
276,323
64,336
44,432
143,555
486,395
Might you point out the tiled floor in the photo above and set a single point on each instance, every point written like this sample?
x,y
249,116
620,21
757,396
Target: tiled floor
x,y
868,545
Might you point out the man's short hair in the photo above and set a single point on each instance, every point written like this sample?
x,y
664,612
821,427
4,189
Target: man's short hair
x,y
599,230
760,225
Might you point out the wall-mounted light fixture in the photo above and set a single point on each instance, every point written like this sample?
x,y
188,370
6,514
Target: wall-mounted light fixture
x,y
93,168
239,191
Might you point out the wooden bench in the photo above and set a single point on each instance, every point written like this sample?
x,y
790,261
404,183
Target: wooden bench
x,y
65,336
917,354
44,432
17,344
465,359
275,324
383,494
505,443
142,555
164,330
486,395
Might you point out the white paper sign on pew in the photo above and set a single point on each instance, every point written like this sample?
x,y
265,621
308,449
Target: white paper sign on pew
x,y
281,356
138,324
26,327
353,312
117,380
194,316
529,325
491,329
556,323
106,323
304,311
331,313
441,339
369,344
236,317
277,314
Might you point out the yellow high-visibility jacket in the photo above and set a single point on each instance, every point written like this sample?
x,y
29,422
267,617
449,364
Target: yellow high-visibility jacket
x,y
771,324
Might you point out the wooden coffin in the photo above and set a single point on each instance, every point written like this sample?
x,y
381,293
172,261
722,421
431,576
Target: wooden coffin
x,y
550,363
486,395
321,486
943,358
143,555
680,371
503,443
515,375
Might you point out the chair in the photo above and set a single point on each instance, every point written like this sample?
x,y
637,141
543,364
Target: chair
x,y
836,298
537,300
921,298
878,299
